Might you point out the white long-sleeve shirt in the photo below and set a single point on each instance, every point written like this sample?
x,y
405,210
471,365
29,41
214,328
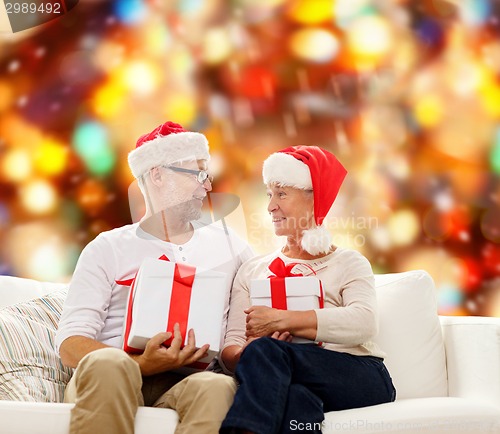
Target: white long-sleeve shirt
x,y
348,321
95,305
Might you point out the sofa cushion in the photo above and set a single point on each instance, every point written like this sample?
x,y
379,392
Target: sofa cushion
x,y
410,334
49,418
30,369
417,416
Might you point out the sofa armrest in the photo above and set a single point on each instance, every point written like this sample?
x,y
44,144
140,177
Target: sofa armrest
x,y
472,347
17,289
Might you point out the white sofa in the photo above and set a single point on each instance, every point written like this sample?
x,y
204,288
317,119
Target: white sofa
x,y
446,369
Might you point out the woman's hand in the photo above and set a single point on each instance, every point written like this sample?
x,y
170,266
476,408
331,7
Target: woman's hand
x,y
286,336
264,321
231,355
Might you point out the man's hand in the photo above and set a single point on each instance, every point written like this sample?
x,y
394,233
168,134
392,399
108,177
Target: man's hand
x,y
158,358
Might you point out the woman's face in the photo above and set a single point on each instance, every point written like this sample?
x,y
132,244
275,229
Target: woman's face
x,y
291,210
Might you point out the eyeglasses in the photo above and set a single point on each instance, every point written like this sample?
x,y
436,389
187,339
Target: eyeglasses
x,y
201,175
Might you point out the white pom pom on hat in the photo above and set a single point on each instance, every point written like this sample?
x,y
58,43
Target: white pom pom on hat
x,y
166,144
309,168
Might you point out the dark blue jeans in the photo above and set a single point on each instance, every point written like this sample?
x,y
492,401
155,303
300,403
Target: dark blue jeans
x,y
286,387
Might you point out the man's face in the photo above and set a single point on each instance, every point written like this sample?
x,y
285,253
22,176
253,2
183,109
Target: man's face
x,y
183,193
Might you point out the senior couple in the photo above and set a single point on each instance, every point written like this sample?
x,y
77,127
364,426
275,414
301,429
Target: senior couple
x,y
270,384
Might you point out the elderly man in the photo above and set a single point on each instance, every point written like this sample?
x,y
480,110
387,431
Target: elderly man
x,y
109,385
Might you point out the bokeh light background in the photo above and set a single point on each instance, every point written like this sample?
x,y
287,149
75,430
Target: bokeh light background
x,y
405,92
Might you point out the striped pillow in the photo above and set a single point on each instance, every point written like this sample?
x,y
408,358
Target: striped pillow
x,y
30,369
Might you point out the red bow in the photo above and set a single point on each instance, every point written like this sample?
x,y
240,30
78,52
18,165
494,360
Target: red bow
x,y
279,269
128,282
278,287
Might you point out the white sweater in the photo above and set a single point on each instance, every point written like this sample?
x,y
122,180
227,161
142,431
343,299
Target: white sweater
x,y
348,321
95,305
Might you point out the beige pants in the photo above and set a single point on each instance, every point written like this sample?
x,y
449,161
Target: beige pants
x,y
107,388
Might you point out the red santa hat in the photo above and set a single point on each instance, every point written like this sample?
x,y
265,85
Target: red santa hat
x,y
166,144
309,168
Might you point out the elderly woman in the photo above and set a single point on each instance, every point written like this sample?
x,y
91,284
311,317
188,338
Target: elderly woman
x,y
285,386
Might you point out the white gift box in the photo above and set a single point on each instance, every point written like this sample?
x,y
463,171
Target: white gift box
x,y
200,306
302,293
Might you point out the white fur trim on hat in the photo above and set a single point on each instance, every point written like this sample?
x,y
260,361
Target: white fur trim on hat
x,y
317,240
287,171
167,150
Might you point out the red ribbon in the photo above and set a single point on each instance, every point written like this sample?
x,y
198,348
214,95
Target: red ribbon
x,y
180,300
278,287
126,347
126,282
321,296
129,282
278,293
279,269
